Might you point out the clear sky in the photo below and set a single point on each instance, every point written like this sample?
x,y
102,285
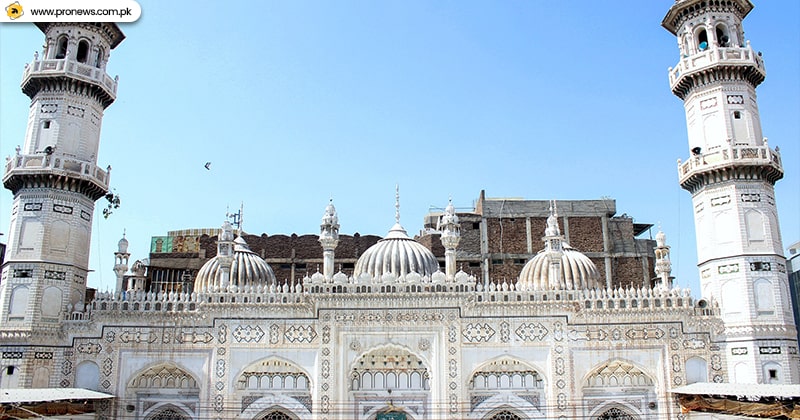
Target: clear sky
x,y
297,101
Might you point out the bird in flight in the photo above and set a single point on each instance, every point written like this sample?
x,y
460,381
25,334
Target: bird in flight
x,y
208,165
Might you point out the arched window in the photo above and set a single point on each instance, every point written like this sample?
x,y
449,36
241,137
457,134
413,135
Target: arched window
x,y
764,297
87,375
83,51
723,39
61,47
19,303
702,40
754,222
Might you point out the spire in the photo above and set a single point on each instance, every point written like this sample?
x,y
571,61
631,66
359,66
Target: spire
x,y
397,203
451,235
663,267
552,221
329,238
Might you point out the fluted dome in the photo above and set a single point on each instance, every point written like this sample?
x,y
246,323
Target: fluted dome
x,y
577,271
558,266
396,254
247,269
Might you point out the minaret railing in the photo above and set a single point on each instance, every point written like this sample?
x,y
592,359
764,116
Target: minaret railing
x,y
744,155
39,162
72,68
712,57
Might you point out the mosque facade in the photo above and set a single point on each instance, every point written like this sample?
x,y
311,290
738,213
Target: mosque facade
x,y
405,332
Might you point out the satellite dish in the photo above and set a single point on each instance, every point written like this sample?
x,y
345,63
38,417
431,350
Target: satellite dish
x,y
703,46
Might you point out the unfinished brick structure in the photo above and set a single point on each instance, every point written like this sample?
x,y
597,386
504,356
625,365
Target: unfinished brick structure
x,y
500,235
497,238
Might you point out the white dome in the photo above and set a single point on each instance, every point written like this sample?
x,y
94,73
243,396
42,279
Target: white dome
x,y
578,272
123,245
396,254
247,269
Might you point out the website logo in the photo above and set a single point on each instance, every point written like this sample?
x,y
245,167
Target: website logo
x,y
116,11
14,11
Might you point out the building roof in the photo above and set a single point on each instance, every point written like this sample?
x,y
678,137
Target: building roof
x,y
740,390
37,395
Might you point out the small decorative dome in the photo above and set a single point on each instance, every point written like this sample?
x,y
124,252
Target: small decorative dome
x,y
558,266
396,254
661,239
577,271
340,278
123,245
246,269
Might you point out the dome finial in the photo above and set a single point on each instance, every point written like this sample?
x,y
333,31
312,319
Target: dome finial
x,y
552,221
397,203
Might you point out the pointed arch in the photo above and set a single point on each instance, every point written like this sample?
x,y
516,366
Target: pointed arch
x,y
166,375
271,403
614,373
618,389
273,373
167,412
616,413
500,403
370,369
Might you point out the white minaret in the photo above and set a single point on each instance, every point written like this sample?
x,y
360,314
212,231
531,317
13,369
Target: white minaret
x,y
121,258
329,238
55,181
451,236
663,267
225,256
554,249
731,172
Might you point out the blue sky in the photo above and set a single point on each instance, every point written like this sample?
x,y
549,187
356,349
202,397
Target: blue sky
x,y
294,102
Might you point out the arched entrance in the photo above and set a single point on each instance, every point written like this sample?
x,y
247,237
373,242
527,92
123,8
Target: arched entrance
x,y
168,413
504,415
616,413
504,386
389,373
277,415
619,389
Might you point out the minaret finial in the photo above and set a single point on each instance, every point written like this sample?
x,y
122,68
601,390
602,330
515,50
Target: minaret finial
x,y
397,203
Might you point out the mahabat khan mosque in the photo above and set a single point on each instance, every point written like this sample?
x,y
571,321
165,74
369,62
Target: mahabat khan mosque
x,y
517,309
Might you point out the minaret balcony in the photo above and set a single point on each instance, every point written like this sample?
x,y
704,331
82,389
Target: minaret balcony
x,y
743,58
56,171
730,162
38,70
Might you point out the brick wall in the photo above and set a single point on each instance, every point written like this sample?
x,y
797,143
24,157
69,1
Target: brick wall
x,y
470,243
433,242
507,270
507,235
627,271
538,225
586,234
600,263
